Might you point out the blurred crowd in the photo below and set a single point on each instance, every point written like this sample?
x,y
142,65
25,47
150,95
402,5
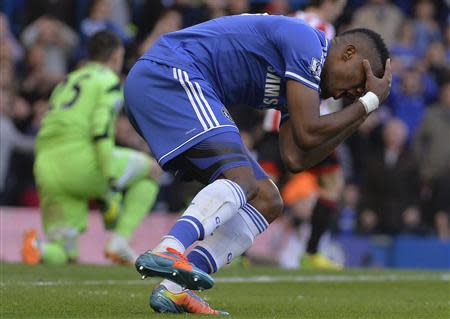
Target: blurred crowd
x,y
396,168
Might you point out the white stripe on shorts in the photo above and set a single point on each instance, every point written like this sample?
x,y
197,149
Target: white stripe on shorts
x,y
194,106
198,101
199,89
175,74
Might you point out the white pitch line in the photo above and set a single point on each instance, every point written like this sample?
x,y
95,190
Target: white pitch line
x,y
254,279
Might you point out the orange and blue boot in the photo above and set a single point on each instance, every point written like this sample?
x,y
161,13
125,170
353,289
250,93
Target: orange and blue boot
x,y
174,266
164,301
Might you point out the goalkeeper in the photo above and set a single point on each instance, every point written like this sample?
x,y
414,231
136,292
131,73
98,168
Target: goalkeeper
x,y
76,160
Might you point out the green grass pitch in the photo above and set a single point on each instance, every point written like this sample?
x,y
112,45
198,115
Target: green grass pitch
x,y
78,291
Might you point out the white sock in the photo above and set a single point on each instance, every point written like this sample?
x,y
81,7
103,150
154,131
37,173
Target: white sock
x,y
171,286
169,241
229,241
213,206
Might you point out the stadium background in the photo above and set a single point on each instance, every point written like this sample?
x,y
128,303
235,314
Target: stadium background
x,y
395,207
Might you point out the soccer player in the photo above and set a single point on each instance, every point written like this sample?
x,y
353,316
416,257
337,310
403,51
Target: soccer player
x,y
176,97
320,14
76,160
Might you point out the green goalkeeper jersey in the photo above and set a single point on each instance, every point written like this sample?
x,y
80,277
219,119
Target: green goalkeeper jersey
x,y
83,110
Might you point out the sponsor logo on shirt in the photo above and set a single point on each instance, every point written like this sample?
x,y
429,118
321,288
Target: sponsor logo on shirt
x,y
272,88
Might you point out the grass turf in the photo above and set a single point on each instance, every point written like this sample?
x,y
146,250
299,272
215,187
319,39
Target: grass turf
x,y
79,291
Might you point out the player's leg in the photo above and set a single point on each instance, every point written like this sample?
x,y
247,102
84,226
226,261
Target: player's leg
x,y
65,178
237,235
135,178
331,183
182,111
221,162
63,219
226,243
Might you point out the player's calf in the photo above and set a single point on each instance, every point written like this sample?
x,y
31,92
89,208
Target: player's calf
x,y
268,200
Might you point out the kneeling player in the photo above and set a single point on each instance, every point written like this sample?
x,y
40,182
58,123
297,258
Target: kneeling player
x,y
76,160
175,96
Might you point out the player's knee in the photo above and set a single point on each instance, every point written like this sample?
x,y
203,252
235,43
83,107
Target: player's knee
x,y
244,177
251,188
269,201
274,204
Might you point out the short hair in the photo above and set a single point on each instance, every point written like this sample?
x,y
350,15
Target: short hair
x,y
376,42
102,45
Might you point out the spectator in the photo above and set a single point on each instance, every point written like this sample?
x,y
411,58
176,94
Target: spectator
x,y
215,8
391,184
9,44
120,13
238,6
145,16
6,69
365,139
442,206
412,223
171,21
432,148
321,14
191,14
409,97
63,10
10,139
39,81
436,61
39,108
20,112
447,40
56,39
404,48
380,16
346,224
99,18
368,222
280,7
431,143
426,28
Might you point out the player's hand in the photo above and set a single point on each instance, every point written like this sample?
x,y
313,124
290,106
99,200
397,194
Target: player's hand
x,y
380,87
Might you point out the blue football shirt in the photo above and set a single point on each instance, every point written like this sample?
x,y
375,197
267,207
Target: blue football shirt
x,y
247,58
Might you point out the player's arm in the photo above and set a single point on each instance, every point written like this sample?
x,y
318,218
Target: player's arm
x,y
297,160
102,129
310,129
306,137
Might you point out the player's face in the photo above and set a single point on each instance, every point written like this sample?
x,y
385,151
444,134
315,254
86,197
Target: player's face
x,y
343,76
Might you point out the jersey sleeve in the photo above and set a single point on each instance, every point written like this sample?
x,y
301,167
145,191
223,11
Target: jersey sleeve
x,y
303,50
103,124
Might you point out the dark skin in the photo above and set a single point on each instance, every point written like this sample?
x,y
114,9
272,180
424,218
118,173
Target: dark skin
x,y
307,138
